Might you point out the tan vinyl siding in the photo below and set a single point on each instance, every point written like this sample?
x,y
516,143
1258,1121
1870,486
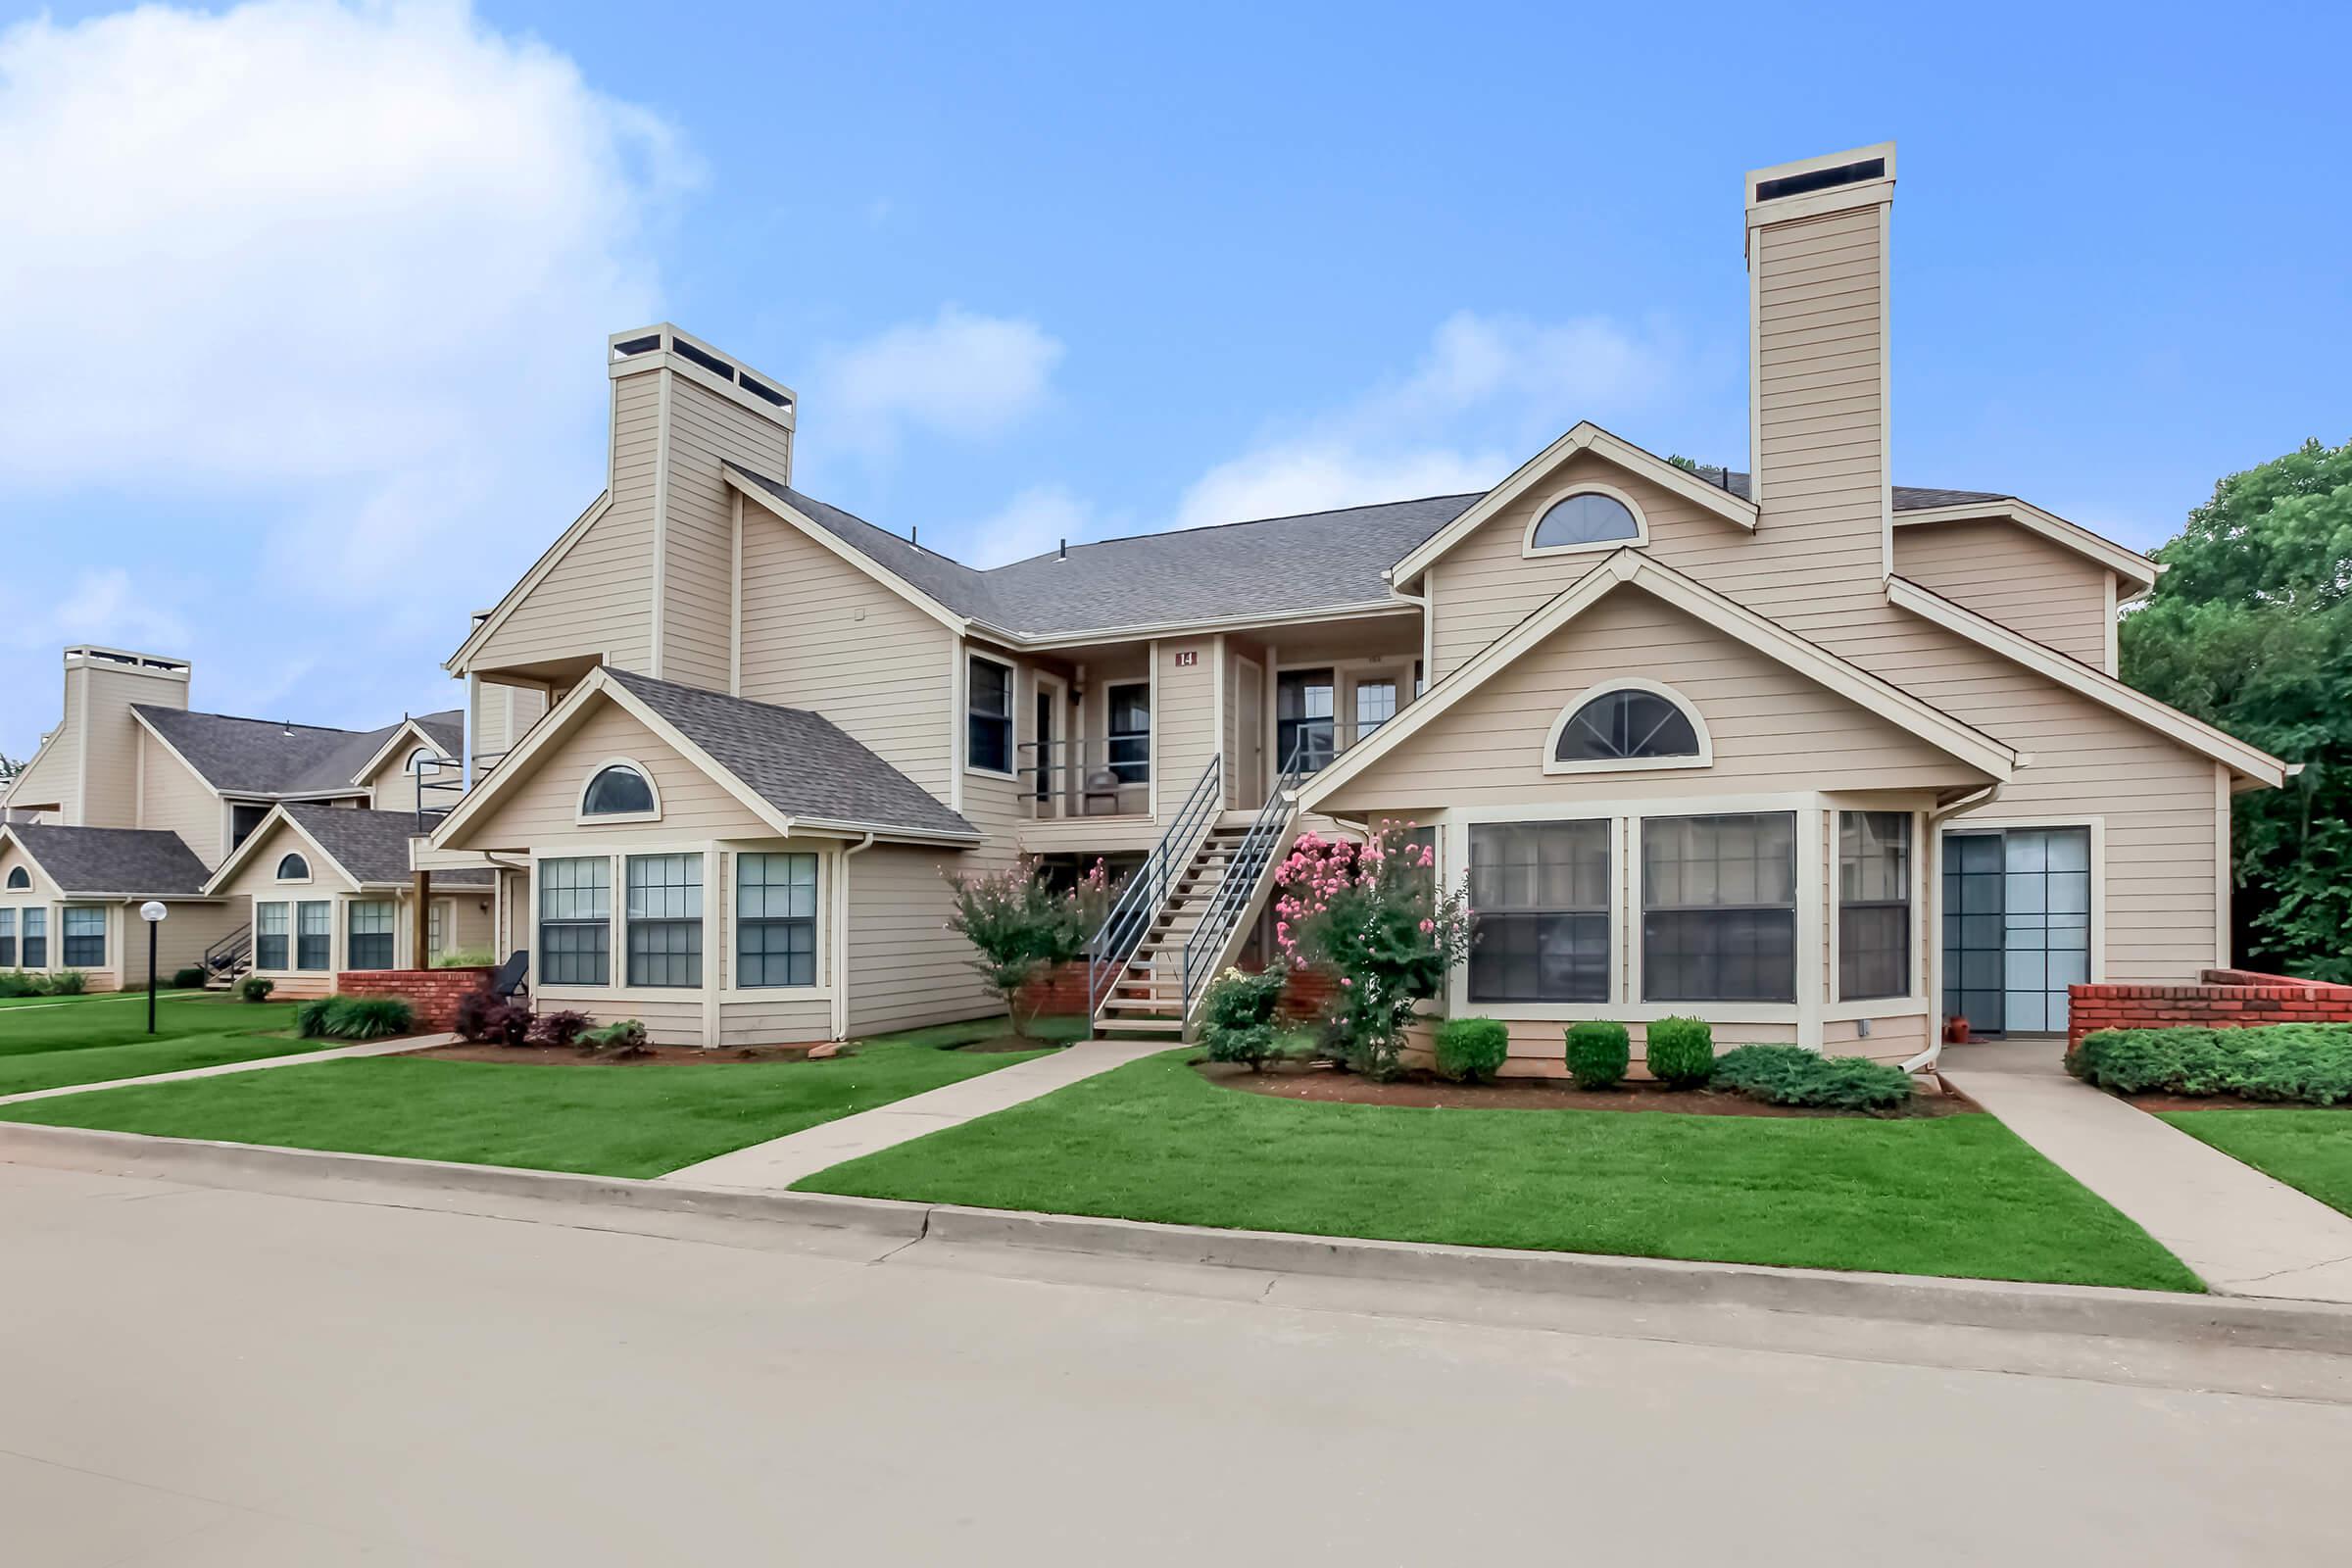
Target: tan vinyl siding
x,y
598,598
1184,720
907,970
52,781
502,717
174,799
540,811
820,634
2017,577
697,541
1892,1039
1772,729
180,938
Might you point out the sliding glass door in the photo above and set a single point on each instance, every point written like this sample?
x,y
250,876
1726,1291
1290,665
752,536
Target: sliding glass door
x,y
2016,926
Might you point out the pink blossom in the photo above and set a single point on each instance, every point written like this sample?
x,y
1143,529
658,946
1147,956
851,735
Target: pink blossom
x,y
1345,981
1427,926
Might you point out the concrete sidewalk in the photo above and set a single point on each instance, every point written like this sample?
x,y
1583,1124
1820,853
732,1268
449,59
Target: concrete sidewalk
x,y
781,1161
370,1048
2242,1232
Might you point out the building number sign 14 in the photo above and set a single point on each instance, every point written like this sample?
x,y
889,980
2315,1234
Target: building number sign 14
x,y
1188,659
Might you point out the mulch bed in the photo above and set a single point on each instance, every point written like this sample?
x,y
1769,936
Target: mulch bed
x,y
2221,1102
655,1057
1422,1091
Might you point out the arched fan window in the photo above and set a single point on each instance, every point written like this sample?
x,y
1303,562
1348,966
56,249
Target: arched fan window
x,y
1629,725
19,879
293,868
619,790
1586,519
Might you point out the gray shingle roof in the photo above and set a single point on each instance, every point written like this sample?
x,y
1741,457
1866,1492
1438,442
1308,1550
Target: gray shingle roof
x,y
266,757
800,762
1316,561
372,846
142,863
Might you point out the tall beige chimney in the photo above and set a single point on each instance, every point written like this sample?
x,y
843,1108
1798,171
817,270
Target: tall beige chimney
x,y
100,775
1818,378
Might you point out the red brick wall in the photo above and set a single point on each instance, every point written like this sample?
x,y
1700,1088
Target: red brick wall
x,y
2226,998
433,993
1063,990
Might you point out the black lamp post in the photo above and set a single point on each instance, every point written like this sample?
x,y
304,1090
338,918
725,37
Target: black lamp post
x,y
153,914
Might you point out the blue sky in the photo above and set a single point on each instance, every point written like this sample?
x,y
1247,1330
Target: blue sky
x,y
307,302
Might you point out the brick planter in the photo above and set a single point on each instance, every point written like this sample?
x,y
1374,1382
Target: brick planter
x,y
433,993
1064,991
2222,999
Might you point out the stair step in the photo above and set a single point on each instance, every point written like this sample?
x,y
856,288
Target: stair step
x,y
1158,1026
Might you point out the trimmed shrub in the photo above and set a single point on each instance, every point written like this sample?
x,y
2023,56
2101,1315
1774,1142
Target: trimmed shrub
x,y
20,983
1472,1050
69,983
1681,1053
480,1016
466,959
562,1030
1792,1076
1237,1017
1599,1052
2302,1063
619,1041
188,979
255,988
354,1018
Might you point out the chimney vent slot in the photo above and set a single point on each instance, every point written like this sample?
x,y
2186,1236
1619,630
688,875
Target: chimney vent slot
x,y
709,361
756,390
638,345
1821,179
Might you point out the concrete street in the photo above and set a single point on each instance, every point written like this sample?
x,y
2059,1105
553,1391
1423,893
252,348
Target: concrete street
x,y
202,1376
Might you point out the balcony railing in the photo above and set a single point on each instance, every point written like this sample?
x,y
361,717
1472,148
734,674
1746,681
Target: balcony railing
x,y
448,791
1062,779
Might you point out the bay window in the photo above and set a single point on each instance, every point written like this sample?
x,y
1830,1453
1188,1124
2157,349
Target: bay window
x,y
83,931
314,936
272,926
575,921
776,921
1719,907
987,715
1541,895
1874,904
665,919
369,934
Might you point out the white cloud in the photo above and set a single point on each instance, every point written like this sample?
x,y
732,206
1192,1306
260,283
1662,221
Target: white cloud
x,y
960,376
102,604
342,269
1487,393
1031,523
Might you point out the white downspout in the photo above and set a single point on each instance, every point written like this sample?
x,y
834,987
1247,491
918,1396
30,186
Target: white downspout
x,y
1973,800
841,939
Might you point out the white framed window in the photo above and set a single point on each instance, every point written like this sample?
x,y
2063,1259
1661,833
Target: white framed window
x,y
8,939
1874,904
19,879
314,936
1585,517
575,921
1129,723
620,790
37,939
82,929
665,919
988,713
293,868
1627,726
1375,702
367,934
1540,893
1719,907
272,932
776,921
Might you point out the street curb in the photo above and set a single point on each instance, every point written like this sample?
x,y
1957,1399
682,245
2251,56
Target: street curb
x,y
2094,1310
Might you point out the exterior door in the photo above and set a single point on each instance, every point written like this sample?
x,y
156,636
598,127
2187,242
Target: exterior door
x,y
2016,926
1250,719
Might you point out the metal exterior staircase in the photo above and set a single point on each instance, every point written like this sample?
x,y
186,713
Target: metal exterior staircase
x,y
1185,913
227,958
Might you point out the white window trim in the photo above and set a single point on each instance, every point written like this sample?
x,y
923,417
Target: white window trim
x,y
1150,736
1839,1009
1012,714
1529,549
277,877
1628,764
580,813
20,880
106,937
2026,824
822,991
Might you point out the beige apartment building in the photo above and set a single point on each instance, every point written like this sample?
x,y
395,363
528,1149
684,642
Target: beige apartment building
x,y
1815,756
132,797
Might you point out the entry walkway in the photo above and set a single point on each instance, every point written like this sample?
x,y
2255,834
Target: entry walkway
x,y
781,1161
2243,1233
370,1048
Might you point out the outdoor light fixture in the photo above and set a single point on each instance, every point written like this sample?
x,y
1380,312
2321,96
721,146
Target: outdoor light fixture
x,y
153,914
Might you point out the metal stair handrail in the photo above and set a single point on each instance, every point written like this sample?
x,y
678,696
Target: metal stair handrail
x,y
1148,889
1239,887
222,956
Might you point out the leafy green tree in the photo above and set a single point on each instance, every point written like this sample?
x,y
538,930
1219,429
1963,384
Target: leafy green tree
x,y
2250,628
1020,927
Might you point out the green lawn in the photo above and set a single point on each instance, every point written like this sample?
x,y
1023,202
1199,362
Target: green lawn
x,y
124,997
2309,1150
102,1038
602,1119
1154,1141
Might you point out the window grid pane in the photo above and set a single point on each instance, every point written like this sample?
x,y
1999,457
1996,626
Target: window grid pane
x,y
665,919
575,913
989,715
1874,904
369,935
1719,908
776,921
273,923
84,934
8,939
1539,892
314,936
